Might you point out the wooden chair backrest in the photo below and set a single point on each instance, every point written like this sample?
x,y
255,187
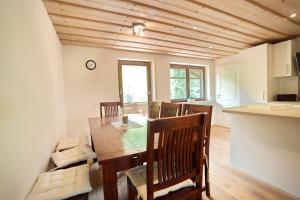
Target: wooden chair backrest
x,y
192,109
170,109
180,147
111,109
154,110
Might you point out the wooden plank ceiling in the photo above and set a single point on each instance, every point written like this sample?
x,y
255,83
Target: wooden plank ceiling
x,y
208,29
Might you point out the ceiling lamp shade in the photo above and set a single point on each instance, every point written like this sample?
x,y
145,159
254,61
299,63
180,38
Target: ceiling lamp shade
x,y
138,29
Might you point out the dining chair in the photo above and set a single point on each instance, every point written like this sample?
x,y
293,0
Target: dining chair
x,y
192,109
129,108
154,110
141,108
173,169
170,109
111,109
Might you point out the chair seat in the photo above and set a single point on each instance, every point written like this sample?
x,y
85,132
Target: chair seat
x,y
71,156
138,178
61,184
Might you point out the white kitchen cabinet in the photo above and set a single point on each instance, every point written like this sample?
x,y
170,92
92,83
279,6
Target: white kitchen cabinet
x,y
284,63
227,84
246,78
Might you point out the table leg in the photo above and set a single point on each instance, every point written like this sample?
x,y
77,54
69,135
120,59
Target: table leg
x,y
110,182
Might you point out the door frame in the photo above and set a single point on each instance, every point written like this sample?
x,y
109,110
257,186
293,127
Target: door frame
x,y
135,63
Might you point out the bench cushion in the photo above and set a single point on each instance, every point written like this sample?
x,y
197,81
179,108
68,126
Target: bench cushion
x,y
71,156
138,178
61,184
71,142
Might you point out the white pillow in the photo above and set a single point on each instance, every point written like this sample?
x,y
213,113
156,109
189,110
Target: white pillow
x,y
61,184
72,156
68,143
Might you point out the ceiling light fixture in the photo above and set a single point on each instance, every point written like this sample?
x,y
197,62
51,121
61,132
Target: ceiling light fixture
x,y
138,29
293,15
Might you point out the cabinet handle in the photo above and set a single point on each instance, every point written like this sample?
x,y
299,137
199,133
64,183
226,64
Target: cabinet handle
x,y
263,95
287,69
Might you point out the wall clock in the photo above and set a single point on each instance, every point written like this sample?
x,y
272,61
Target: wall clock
x,y
90,64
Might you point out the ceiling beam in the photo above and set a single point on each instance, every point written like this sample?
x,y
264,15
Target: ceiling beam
x,y
272,12
131,38
197,3
105,41
126,48
152,34
63,8
213,16
183,16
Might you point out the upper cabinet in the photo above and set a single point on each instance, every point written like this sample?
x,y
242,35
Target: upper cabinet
x,y
284,58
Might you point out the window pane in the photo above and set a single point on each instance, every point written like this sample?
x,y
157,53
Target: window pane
x,y
196,88
177,73
196,73
178,88
134,89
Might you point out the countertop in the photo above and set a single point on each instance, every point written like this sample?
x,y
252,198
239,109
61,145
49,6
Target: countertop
x,y
291,110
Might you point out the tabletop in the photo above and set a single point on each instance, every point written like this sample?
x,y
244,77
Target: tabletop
x,y
113,140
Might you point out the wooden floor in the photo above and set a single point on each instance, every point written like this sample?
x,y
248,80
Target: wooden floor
x,y
226,182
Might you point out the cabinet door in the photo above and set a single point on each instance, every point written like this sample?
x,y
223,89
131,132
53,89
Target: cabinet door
x,y
282,59
227,85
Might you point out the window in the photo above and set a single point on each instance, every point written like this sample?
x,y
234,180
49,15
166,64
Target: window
x,y
134,89
187,82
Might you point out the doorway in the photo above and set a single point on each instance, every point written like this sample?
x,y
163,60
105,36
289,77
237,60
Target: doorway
x,y
135,86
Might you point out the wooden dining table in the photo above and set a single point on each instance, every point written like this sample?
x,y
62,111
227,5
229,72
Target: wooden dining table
x,y
118,147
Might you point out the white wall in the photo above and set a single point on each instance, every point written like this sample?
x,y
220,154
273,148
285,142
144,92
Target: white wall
x,y
84,89
32,113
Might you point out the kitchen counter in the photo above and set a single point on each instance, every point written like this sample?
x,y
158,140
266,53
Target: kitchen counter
x,y
265,143
270,109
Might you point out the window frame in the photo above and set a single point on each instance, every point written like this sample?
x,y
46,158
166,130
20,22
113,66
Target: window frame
x,y
187,78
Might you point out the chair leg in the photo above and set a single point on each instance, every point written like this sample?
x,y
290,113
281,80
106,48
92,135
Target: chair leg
x,y
93,148
131,195
206,174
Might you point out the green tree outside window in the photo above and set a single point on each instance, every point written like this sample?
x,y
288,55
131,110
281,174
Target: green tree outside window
x,y
187,82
